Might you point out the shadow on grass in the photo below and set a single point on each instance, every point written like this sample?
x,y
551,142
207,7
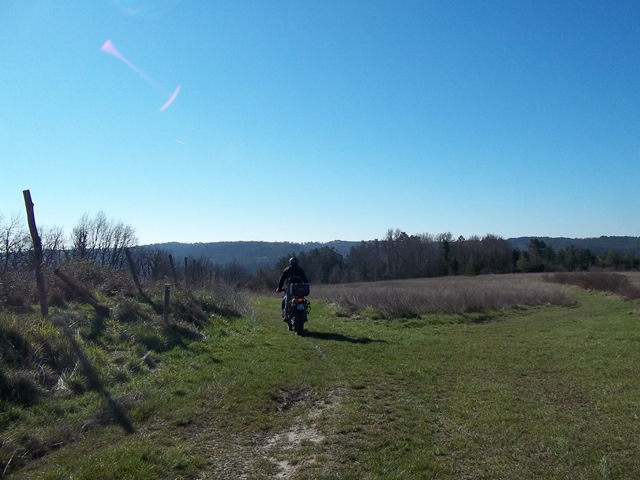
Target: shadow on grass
x,y
98,326
157,308
95,383
338,337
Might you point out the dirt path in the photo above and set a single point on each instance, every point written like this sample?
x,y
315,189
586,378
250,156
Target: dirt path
x,y
302,430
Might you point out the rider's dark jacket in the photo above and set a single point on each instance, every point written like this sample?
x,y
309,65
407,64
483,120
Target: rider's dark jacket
x,y
291,271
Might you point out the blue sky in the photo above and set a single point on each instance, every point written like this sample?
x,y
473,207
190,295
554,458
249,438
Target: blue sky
x,y
320,120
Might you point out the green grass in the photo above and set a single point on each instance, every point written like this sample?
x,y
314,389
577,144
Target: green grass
x,y
538,392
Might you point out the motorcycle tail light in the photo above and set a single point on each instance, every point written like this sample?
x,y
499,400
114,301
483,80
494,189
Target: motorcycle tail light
x,y
300,299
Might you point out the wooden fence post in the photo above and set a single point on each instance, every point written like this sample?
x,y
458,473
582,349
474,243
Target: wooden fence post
x,y
167,294
86,296
37,250
134,274
173,271
194,272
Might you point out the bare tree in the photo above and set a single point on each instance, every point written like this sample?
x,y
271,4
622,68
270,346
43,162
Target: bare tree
x,y
14,240
80,237
122,236
53,244
102,240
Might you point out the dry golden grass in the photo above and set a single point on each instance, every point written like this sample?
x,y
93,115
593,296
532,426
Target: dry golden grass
x,y
412,298
634,278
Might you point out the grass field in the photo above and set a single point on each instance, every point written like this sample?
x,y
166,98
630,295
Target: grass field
x,y
547,391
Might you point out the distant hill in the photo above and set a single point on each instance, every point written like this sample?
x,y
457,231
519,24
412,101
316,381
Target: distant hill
x,y
248,254
256,254
598,246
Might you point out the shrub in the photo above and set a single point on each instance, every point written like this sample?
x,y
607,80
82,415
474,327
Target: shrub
x,y
100,279
615,283
128,310
17,290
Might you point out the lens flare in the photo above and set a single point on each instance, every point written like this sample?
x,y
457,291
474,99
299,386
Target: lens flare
x,y
171,99
110,48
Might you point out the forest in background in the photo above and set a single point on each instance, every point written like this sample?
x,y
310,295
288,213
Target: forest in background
x,y
255,254
399,255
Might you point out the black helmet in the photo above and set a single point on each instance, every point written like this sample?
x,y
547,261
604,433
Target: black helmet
x,y
293,261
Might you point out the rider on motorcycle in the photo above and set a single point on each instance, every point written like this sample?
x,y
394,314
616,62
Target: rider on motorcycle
x,y
293,270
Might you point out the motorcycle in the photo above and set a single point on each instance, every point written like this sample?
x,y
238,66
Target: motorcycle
x,y
296,307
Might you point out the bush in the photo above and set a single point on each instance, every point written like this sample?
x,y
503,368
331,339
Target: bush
x,y
98,279
615,283
17,290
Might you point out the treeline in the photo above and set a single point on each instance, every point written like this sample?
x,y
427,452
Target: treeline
x,y
400,256
597,245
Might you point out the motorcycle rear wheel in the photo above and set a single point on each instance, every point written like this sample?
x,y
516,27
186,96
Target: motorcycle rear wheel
x,y
299,322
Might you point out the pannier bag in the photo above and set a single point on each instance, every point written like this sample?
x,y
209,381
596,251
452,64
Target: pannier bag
x,y
299,289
